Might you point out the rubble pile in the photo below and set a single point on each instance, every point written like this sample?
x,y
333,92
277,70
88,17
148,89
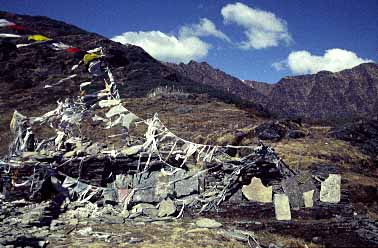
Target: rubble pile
x,y
92,149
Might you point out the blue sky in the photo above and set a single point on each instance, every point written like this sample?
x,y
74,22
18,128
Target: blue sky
x,y
261,40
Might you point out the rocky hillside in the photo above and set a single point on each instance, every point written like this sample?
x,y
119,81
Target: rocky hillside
x,y
344,95
206,74
262,87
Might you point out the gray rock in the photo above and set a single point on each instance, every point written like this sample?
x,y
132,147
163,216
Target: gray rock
x,y
236,197
166,208
151,212
110,195
147,181
144,208
125,213
163,189
41,234
239,235
208,223
292,190
55,223
86,231
135,240
112,219
186,186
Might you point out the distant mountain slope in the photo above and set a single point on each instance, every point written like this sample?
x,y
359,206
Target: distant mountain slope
x,y
206,74
344,95
263,88
324,96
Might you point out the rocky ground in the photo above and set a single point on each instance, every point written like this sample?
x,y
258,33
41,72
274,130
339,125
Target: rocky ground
x,y
26,224
312,148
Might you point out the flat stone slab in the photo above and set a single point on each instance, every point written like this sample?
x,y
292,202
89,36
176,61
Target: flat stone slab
x,y
282,207
308,198
330,190
208,223
257,192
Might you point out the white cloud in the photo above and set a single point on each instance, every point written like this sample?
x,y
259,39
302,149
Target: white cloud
x,y
334,60
166,47
182,48
281,65
204,28
263,29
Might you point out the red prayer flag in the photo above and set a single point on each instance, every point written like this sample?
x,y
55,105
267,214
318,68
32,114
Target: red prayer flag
x,y
18,27
73,50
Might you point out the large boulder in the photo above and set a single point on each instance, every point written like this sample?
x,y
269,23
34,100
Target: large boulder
x,y
363,134
277,130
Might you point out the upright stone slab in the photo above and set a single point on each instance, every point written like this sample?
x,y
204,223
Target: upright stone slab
x,y
330,189
308,198
282,207
292,190
256,191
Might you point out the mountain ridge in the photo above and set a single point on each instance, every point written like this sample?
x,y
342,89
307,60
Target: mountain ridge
x,y
323,96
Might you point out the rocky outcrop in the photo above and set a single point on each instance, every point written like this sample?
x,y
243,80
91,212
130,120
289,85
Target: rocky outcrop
x,y
277,130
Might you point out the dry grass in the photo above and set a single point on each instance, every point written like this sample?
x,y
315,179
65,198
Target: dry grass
x,y
177,234
318,149
204,121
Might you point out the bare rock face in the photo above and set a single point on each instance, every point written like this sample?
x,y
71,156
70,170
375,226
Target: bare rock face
x,y
256,191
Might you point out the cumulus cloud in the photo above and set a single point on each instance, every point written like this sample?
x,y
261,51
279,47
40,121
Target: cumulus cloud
x,y
204,28
263,29
166,47
334,60
182,48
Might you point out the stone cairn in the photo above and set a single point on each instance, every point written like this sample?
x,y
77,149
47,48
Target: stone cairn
x,y
140,164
